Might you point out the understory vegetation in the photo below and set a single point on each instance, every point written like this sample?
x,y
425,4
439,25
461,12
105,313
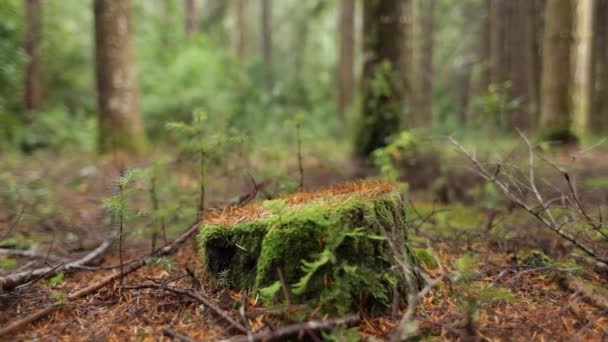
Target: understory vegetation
x,y
243,170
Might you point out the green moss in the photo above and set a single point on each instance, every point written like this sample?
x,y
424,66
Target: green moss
x,y
561,136
426,258
331,252
537,258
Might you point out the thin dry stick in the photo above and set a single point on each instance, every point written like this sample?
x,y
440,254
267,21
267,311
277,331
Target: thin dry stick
x,y
13,280
170,248
297,329
542,213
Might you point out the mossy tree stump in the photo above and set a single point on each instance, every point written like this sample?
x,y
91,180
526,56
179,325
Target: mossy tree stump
x,y
330,247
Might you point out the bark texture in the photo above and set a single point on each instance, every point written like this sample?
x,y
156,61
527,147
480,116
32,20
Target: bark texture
x,y
33,33
120,122
423,88
190,14
384,82
555,120
582,53
240,29
346,69
599,116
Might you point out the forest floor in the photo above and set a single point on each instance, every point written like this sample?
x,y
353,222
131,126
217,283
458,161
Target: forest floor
x,y
57,211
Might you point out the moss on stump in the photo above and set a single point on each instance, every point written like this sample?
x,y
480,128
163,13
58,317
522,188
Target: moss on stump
x,y
330,246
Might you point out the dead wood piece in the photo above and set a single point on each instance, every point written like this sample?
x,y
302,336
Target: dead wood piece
x,y
13,280
296,329
30,254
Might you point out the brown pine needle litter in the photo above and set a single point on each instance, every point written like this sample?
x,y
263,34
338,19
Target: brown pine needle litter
x,y
539,309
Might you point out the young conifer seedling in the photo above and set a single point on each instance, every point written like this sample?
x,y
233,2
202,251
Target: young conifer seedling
x,y
117,207
199,140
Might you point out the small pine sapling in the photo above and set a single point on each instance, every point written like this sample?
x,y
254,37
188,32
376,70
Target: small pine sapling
x,y
117,207
198,139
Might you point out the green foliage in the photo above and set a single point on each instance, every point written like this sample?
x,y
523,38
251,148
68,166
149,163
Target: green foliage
x,y
401,147
117,205
60,297
495,105
425,257
381,110
11,64
536,258
55,280
7,264
277,207
60,131
165,263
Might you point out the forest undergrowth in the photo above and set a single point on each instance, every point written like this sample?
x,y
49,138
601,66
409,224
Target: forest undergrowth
x,y
500,274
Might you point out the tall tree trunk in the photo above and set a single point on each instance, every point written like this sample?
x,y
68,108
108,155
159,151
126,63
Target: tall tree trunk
x,y
532,27
33,32
346,69
240,30
423,87
599,117
582,53
267,44
384,66
190,14
498,22
555,89
120,122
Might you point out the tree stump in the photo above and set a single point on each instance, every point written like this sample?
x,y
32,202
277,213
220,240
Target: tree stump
x,y
329,247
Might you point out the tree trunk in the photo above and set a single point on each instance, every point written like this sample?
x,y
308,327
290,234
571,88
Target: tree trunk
x,y
240,30
346,69
555,95
190,9
599,118
384,68
33,32
267,44
582,53
423,87
120,122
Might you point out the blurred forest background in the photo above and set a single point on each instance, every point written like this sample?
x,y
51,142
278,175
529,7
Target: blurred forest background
x,y
127,120
477,66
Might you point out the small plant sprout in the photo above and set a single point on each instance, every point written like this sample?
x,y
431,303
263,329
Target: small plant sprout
x,y
117,207
297,122
198,139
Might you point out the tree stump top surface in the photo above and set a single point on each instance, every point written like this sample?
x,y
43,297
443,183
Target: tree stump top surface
x,y
335,194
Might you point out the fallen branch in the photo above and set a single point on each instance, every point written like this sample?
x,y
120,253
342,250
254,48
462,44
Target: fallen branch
x,y
297,329
30,254
170,248
199,298
13,280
